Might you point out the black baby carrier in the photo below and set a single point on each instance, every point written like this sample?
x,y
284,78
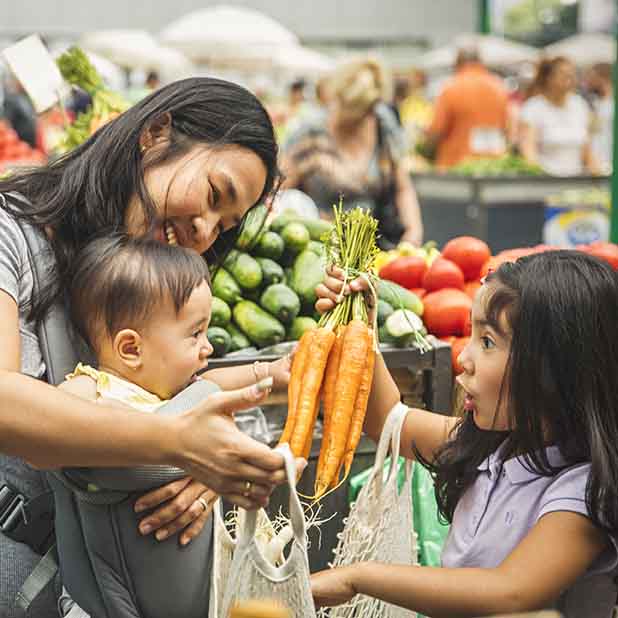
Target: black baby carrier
x,y
108,568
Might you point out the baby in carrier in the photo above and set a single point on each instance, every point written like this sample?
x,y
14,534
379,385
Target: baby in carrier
x,y
144,309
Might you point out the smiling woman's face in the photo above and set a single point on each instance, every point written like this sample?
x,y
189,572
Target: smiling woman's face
x,y
199,195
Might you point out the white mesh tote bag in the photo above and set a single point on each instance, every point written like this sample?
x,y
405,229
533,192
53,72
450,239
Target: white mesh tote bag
x,y
253,576
224,545
380,525
222,555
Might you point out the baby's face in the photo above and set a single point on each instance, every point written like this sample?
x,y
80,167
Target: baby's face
x,y
174,346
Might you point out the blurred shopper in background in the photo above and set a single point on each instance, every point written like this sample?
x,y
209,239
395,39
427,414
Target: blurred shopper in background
x,y
153,81
600,85
18,110
471,113
555,122
355,149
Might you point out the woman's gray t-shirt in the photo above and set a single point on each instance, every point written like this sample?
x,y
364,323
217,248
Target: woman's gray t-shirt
x,y
16,559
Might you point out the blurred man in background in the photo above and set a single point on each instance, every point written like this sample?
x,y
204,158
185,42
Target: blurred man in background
x,y
471,114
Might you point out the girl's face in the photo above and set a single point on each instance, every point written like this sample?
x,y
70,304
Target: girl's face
x,y
201,194
484,362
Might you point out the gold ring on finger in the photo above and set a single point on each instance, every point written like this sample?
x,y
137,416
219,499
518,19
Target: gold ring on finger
x,y
247,491
203,502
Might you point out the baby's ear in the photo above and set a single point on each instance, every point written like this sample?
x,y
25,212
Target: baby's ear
x,y
128,348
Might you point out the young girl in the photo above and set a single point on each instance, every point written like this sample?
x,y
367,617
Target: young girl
x,y
528,475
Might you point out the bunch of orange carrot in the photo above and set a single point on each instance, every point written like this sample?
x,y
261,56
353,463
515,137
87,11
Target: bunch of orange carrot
x,y
334,363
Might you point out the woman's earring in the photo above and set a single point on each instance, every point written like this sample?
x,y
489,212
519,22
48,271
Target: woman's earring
x,y
142,149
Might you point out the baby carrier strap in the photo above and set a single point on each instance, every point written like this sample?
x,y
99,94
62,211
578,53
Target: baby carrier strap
x,y
109,569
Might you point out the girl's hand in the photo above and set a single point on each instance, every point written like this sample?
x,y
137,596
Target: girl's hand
x,y
333,586
329,291
185,506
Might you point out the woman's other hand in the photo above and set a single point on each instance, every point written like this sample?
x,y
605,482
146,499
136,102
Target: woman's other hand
x,y
210,447
329,291
333,586
184,506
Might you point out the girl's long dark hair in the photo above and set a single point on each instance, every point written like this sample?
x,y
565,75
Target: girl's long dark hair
x,y
559,385
87,191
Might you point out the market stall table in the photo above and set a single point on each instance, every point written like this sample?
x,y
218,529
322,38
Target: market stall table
x,y
425,381
503,211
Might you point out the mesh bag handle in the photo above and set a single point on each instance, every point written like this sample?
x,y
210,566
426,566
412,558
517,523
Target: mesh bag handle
x,y
297,519
390,440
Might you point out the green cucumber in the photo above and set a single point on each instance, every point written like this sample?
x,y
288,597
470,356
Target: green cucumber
x,y
385,337
230,258
307,273
295,237
281,301
220,312
404,326
246,271
262,328
225,287
239,340
317,247
398,297
384,310
219,339
252,227
269,245
299,325
317,228
271,271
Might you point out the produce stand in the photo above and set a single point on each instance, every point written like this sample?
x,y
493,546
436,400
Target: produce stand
x,y
425,381
503,211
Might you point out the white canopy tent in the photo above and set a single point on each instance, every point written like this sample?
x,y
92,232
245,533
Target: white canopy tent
x,y
229,36
585,49
495,52
136,49
300,61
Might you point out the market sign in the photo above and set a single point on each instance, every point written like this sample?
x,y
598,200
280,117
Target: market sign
x,y
34,67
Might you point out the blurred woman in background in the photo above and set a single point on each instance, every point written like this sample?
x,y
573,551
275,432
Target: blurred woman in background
x,y
355,148
555,122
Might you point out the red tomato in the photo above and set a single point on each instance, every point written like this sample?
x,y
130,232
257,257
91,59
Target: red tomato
x,y
468,253
471,287
443,274
447,312
10,137
420,292
457,345
603,250
407,271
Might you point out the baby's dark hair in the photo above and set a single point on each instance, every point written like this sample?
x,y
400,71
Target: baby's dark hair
x,y
559,311
118,282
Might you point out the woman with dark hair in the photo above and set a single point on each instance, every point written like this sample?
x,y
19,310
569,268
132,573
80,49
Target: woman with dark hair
x,y
555,122
528,474
184,165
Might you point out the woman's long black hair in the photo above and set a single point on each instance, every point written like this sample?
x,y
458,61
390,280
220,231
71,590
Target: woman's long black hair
x,y
87,191
561,308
